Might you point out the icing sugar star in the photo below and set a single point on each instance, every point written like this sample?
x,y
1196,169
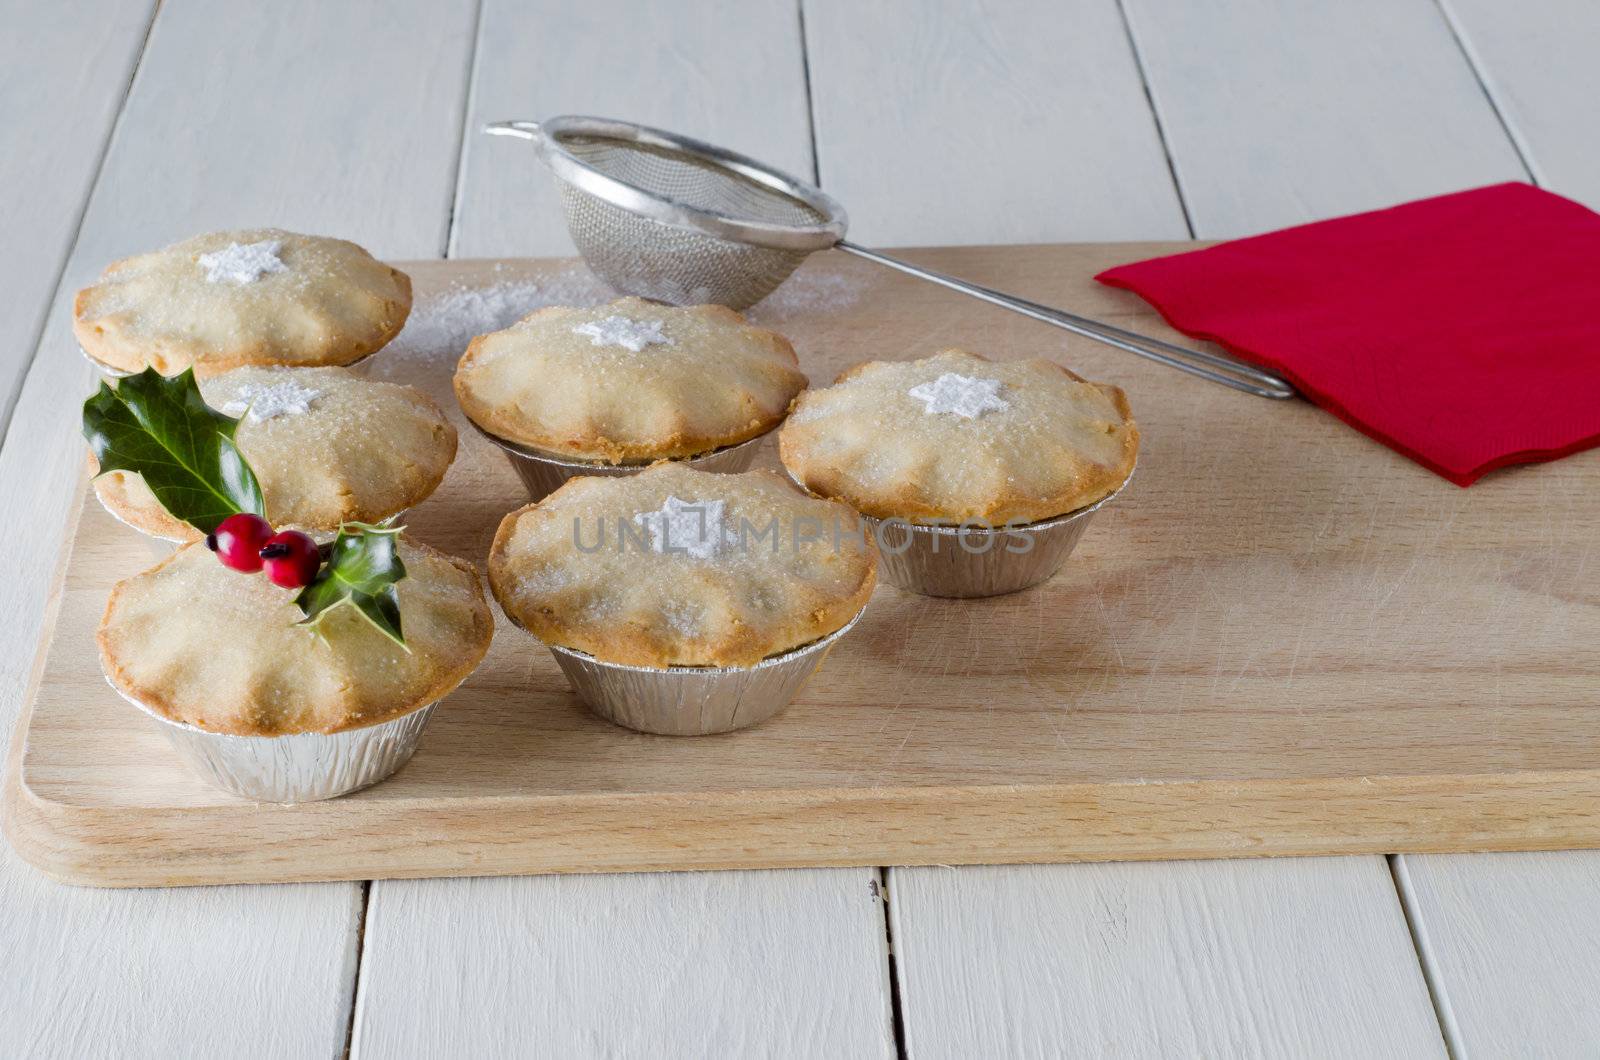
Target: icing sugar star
x,y
692,528
242,263
630,334
960,395
267,401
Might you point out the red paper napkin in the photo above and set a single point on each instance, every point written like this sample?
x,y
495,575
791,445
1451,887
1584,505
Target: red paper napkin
x,y
1462,331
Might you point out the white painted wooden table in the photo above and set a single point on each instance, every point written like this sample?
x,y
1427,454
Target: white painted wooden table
x,y
123,127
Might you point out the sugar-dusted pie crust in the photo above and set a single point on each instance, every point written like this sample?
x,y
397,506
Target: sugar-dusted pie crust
x,y
704,379
208,646
331,303
1057,444
579,570
355,450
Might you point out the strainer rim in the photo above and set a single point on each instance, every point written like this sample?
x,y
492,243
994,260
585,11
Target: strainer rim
x,y
646,203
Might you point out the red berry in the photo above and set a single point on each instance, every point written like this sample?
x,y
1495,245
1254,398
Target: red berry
x,y
290,559
238,540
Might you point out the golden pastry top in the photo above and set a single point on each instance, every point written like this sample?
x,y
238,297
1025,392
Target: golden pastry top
x,y
956,437
678,567
255,296
201,644
630,381
326,445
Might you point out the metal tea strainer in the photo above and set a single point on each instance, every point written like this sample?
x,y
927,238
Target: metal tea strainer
x,y
678,220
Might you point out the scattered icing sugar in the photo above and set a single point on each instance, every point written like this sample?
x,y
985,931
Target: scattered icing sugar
x,y
806,293
243,263
441,325
268,401
632,335
443,322
692,528
961,395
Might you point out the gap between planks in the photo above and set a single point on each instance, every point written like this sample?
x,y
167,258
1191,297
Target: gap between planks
x,y
13,392
896,1003
1518,144
446,251
1430,974
1155,116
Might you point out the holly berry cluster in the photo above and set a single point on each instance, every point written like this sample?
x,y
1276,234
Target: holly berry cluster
x,y
247,543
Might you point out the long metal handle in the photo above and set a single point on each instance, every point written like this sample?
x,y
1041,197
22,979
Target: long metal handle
x,y
524,130
1213,366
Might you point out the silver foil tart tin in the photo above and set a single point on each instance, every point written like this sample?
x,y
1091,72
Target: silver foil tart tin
x,y
693,700
160,547
543,474
362,366
103,368
977,561
300,767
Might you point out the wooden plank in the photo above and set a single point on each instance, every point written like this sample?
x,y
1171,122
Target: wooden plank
x,y
1180,959
64,70
1396,117
728,71
1278,113
1536,61
703,964
334,117
239,971
1025,123
1510,941
1331,682
747,963
1323,894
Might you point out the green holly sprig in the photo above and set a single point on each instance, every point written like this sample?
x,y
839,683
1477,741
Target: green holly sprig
x,y
162,430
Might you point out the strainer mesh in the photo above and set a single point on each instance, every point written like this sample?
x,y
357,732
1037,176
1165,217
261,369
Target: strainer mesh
x,y
642,256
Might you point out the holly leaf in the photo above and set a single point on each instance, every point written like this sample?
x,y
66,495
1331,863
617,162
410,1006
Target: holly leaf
x,y
162,430
361,570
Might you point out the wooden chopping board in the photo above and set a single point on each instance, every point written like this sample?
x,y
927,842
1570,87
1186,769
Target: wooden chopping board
x,y
1282,639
